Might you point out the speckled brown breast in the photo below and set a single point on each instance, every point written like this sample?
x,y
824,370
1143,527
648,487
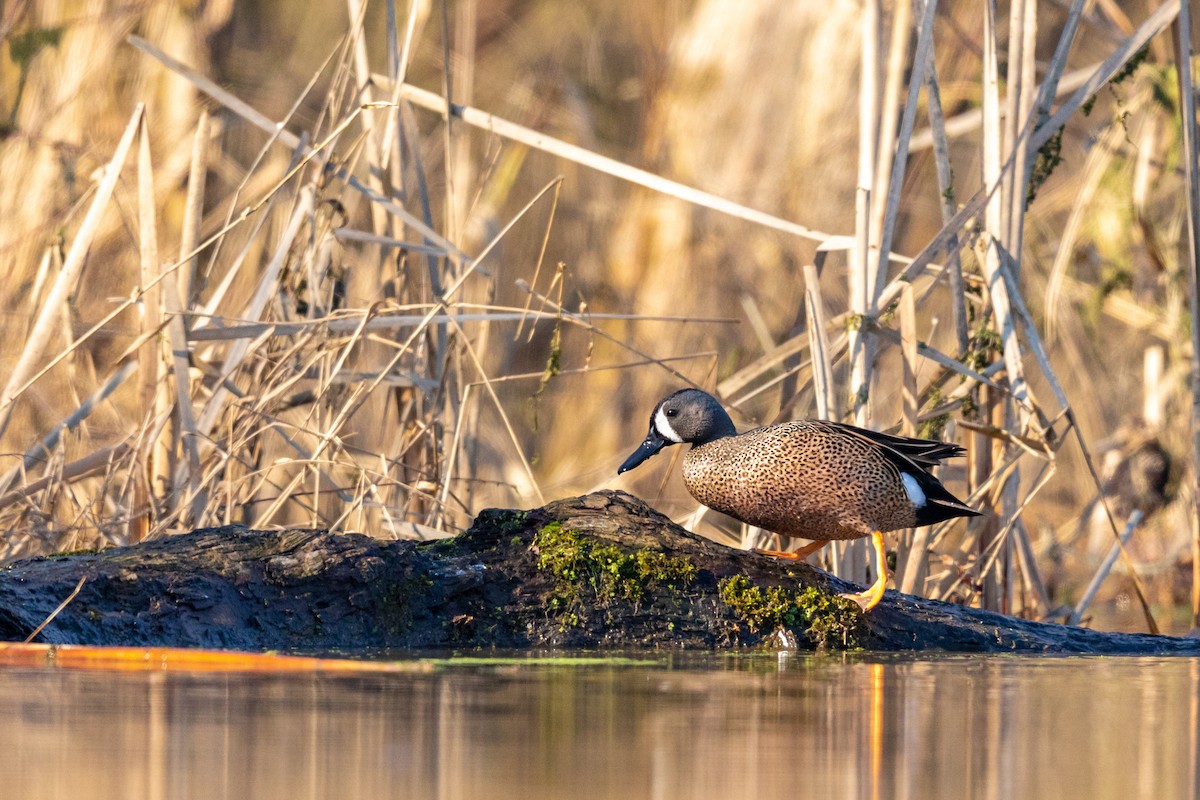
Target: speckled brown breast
x,y
800,479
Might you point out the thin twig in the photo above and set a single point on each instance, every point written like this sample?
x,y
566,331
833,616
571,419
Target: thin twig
x,y
56,611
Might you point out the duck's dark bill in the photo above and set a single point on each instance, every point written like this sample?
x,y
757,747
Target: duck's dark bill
x,y
654,442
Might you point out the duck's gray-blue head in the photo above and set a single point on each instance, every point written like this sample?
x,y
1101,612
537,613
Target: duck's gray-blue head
x,y
688,415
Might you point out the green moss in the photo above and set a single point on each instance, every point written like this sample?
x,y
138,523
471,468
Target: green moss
x,y
438,545
1049,156
513,523
948,192
825,620
584,568
84,551
1121,75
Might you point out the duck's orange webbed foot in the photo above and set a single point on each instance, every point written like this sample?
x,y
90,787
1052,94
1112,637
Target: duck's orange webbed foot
x,y
871,597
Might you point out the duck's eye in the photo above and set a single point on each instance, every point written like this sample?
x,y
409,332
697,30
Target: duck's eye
x,y
670,412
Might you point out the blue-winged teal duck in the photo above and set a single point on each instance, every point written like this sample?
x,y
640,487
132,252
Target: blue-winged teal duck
x,y
808,479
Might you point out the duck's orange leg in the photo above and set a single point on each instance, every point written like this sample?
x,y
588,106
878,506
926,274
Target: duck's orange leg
x,y
797,555
871,597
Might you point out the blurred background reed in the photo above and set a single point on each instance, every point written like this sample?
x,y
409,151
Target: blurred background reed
x,y
382,316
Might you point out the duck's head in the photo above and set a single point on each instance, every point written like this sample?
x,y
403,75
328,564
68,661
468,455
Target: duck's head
x,y
688,415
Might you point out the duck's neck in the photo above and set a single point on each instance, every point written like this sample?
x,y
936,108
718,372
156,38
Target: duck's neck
x,y
722,427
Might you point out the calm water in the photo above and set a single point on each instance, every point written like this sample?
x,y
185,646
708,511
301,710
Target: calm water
x,y
713,726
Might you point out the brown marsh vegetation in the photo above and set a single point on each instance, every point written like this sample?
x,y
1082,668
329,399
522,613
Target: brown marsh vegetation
x,y
258,271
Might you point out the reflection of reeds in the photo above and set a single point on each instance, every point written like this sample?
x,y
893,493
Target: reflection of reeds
x,y
277,386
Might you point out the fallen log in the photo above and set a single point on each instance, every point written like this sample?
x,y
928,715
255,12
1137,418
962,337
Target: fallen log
x,y
602,570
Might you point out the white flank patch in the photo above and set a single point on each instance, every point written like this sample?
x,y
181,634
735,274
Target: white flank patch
x,y
664,427
913,489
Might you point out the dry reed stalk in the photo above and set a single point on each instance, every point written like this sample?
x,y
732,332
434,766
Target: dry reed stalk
x,y
909,397
910,400
987,533
193,217
1012,541
1038,350
1105,568
886,156
941,157
342,324
763,365
860,290
39,337
148,357
998,246
848,558
376,150
1019,97
568,316
1191,151
531,138
177,292
890,208
398,61
609,166
1033,583
818,345
1051,81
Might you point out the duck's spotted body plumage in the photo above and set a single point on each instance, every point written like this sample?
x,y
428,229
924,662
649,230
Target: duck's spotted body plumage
x,y
800,479
810,478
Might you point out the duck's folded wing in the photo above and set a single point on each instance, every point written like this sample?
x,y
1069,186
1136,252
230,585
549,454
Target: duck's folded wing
x,y
926,453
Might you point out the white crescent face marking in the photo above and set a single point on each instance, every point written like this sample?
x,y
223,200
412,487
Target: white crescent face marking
x,y
663,425
913,490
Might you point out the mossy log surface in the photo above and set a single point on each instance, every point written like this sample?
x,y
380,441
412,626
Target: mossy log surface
x,y
602,570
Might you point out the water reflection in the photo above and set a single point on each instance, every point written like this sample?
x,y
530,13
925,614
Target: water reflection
x,y
717,726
